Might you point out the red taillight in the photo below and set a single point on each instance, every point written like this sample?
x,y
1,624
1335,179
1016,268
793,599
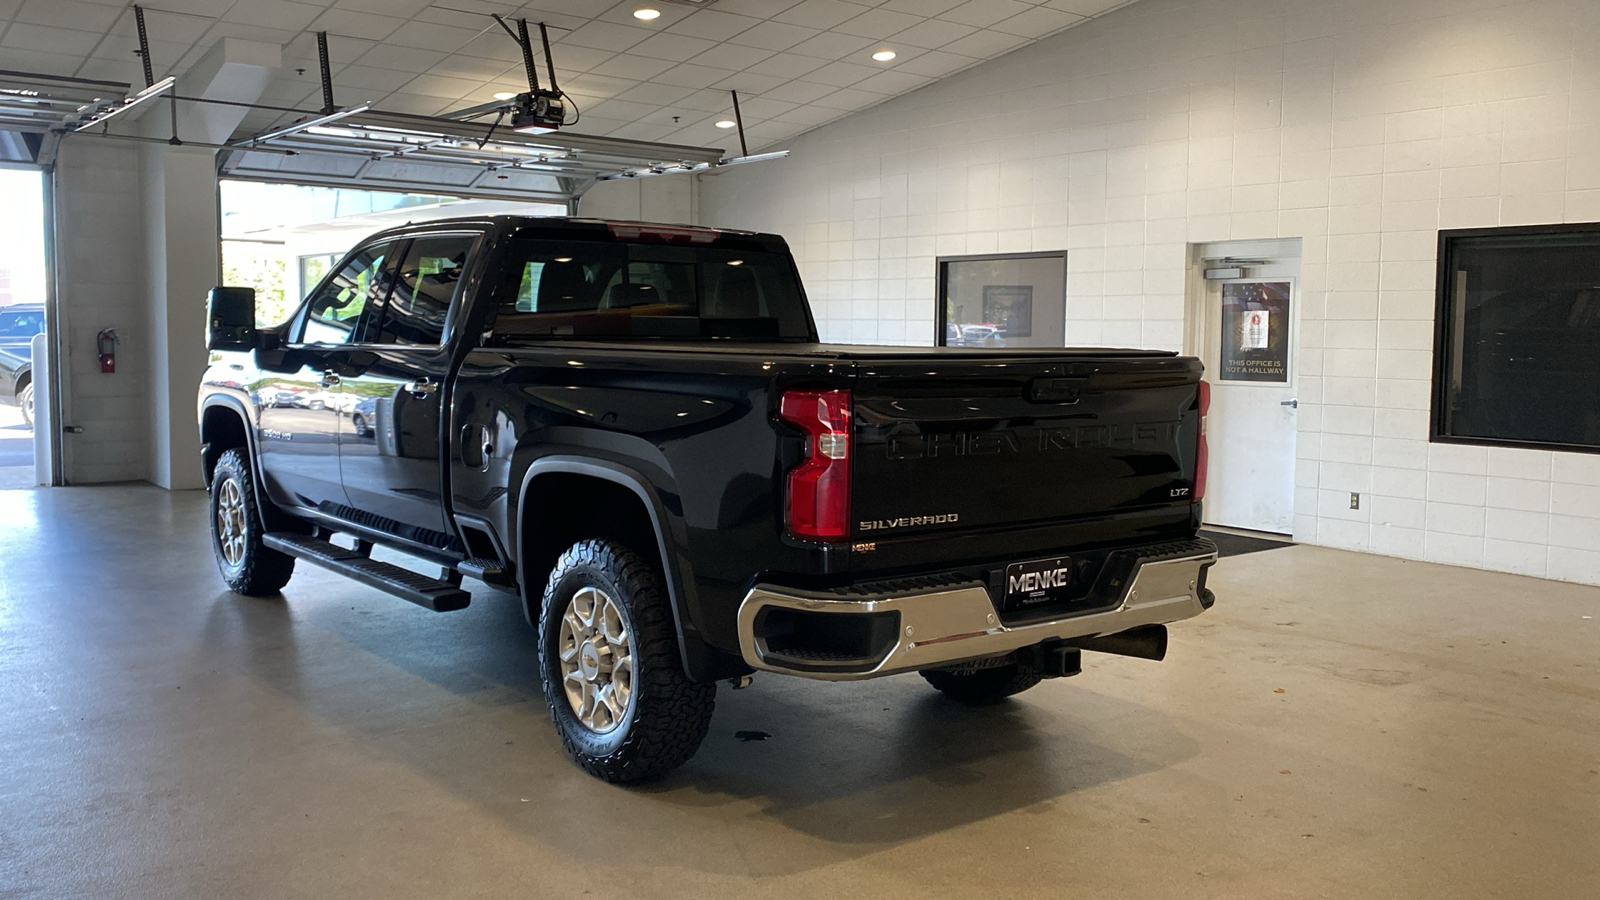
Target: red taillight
x,y
1202,456
819,488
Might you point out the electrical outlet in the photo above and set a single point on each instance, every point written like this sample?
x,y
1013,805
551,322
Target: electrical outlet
x,y
1355,500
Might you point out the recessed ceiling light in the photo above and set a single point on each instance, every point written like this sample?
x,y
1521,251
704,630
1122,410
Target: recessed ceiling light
x,y
647,14
726,123
883,55
505,95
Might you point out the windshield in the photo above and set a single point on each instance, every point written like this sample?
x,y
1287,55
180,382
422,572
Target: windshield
x,y
565,289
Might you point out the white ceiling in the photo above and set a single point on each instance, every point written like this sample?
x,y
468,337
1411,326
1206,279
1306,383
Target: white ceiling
x,y
797,64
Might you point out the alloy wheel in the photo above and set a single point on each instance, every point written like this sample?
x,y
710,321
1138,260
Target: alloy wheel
x,y
596,654
230,521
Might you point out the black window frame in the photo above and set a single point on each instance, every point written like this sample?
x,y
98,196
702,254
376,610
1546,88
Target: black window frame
x,y
1449,240
941,310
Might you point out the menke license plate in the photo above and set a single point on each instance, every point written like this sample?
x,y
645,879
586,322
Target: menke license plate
x,y
1037,581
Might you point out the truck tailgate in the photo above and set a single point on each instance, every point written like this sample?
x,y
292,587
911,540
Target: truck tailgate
x,y
946,444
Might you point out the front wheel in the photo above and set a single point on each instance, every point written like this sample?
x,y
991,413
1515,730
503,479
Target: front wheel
x,y
25,400
984,685
608,662
249,566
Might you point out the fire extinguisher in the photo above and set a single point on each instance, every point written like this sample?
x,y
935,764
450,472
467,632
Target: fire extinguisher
x,y
107,341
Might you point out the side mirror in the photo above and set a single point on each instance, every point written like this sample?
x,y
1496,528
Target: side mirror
x,y
231,319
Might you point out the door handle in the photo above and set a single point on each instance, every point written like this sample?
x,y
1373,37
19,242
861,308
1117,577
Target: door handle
x,y
329,379
422,388
1293,404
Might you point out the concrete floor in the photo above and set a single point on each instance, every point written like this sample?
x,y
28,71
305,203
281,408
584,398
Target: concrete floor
x,y
1338,726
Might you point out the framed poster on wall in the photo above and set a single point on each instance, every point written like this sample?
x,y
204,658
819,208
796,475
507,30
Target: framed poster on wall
x,y
1011,307
1255,331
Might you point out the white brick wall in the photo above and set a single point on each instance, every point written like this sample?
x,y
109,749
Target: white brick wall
x,y
1360,127
100,270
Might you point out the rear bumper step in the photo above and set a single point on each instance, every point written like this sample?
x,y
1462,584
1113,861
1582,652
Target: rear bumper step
x,y
439,596
823,635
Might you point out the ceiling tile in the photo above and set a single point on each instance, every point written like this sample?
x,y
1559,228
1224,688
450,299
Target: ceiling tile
x,y
692,76
1037,22
65,42
274,14
800,91
831,45
796,63
1086,7
820,13
713,25
72,14
731,56
932,34
637,68
787,65
759,9
606,36
749,83
983,13
406,59
878,23
846,98
935,63
985,44
775,35
676,47
921,8
840,74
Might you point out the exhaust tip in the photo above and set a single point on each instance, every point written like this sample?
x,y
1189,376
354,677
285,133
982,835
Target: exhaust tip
x,y
1145,642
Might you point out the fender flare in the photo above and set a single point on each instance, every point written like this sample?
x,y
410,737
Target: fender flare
x,y
691,648
236,406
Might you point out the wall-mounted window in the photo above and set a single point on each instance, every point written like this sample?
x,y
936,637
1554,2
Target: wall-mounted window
x,y
1517,338
1016,300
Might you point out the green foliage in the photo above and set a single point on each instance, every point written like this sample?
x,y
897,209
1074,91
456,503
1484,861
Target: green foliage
x,y
247,264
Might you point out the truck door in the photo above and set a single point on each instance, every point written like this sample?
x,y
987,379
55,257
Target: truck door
x,y
299,409
389,437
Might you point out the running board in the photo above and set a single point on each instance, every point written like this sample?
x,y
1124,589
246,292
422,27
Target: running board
x,y
439,596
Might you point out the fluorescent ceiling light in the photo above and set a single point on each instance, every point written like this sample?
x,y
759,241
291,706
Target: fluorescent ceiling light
x,y
726,123
505,95
883,55
647,14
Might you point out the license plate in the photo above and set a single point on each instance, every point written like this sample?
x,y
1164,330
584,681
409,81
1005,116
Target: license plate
x,y
1037,581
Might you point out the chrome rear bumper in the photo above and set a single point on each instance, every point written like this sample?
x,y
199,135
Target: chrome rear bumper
x,y
947,625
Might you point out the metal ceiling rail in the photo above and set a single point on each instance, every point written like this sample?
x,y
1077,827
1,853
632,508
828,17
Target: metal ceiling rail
x,y
38,103
359,147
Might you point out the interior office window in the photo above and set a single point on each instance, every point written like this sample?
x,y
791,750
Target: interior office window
x,y
1016,300
1517,342
424,287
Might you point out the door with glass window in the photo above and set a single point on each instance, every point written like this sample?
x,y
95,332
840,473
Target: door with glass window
x,y
392,410
299,409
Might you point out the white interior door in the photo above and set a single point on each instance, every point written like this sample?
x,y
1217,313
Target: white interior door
x,y
1251,328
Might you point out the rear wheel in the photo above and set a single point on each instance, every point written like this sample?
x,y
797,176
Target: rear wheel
x,y
248,566
983,685
608,661
25,400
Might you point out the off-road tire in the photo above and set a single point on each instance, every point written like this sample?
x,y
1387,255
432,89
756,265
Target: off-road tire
x,y
25,403
259,570
985,685
669,714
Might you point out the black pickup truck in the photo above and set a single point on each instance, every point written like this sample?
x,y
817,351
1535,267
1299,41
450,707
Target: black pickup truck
x,y
634,429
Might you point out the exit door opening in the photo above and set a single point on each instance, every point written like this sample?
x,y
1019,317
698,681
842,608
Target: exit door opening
x,y
23,286
1244,323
